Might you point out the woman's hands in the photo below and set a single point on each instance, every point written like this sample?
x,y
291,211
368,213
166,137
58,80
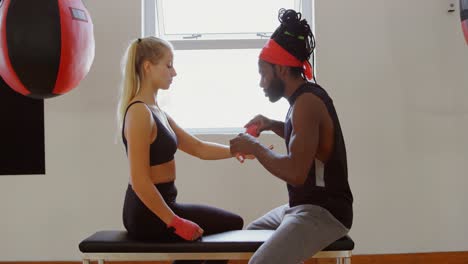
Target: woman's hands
x,y
186,229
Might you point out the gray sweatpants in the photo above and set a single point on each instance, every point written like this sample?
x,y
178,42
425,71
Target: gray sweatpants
x,y
301,231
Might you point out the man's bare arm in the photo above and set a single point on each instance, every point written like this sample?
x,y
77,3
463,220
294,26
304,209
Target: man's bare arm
x,y
294,167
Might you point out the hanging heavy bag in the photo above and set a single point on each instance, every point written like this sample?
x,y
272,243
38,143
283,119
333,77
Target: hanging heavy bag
x,y
46,46
464,18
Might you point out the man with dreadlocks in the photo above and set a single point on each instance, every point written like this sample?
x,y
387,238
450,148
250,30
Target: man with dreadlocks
x,y
319,211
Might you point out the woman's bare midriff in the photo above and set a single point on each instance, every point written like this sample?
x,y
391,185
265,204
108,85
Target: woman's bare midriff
x,y
162,173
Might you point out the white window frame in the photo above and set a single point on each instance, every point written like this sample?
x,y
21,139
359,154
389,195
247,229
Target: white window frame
x,y
150,27
151,12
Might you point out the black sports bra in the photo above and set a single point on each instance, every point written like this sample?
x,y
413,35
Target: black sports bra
x,y
163,147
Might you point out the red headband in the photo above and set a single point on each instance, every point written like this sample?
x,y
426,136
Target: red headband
x,y
272,52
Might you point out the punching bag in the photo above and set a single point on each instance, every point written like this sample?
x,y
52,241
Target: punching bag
x,y
46,46
464,18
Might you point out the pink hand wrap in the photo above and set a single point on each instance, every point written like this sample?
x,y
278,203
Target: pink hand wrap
x,y
252,130
184,228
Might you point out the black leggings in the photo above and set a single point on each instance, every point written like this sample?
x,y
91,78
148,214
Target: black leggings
x,y
143,224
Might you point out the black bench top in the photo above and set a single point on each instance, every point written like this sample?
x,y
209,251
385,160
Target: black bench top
x,y
232,241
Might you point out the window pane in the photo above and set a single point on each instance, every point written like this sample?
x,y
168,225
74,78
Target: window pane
x,y
221,16
218,89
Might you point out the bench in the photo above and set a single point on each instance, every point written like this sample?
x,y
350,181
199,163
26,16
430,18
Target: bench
x,y
233,245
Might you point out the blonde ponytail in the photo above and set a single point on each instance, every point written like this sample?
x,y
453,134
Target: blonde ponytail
x,y
151,49
130,82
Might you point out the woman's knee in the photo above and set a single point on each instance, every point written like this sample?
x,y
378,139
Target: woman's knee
x,y
236,222
223,224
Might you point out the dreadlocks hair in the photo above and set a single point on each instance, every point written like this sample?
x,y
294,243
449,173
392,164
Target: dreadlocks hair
x,y
295,36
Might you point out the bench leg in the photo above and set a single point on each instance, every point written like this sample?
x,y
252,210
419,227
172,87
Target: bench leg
x,y
343,260
85,261
100,261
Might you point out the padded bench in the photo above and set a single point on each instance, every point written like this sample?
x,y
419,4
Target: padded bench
x,y
233,245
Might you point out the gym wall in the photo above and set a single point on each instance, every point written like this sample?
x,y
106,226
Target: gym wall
x,y
397,73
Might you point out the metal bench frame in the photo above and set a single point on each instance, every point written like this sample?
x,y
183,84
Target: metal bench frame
x,y
342,257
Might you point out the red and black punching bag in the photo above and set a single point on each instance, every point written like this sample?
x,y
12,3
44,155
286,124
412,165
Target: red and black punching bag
x,y
464,17
46,46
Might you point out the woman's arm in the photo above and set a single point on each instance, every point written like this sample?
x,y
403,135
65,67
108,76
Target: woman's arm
x,y
138,127
196,147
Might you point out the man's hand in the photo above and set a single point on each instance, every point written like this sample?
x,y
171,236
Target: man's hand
x,y
251,130
243,144
261,123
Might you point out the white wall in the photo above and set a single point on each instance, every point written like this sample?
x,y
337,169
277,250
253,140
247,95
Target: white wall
x,y
397,72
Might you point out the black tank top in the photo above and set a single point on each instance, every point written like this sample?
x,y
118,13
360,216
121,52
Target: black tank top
x,y
326,184
163,147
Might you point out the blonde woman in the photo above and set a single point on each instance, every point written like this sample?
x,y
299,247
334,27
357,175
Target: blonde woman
x,y
151,138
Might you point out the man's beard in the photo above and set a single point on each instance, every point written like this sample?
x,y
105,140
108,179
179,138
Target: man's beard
x,y
276,90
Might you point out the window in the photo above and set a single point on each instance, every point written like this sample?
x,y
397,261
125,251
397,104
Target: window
x,y
217,44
